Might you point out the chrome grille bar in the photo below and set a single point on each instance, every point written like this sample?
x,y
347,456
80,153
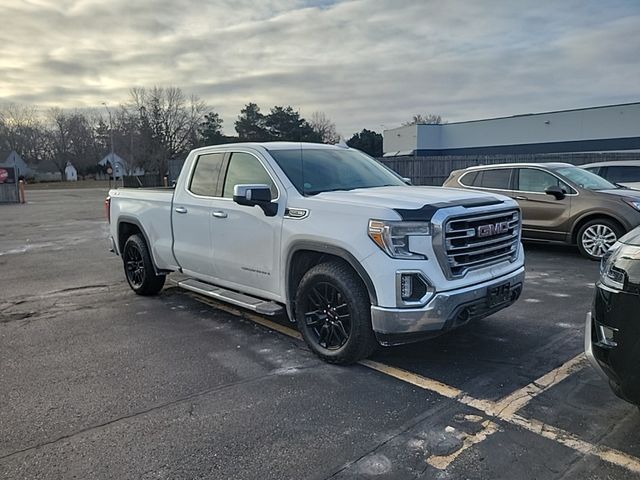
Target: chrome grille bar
x,y
476,241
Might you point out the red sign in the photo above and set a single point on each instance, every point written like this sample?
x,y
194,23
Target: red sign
x,y
3,175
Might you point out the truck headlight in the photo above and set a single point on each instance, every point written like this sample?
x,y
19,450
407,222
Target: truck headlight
x,y
393,237
620,254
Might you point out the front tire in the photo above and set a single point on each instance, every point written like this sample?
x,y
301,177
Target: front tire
x,y
596,237
138,267
333,313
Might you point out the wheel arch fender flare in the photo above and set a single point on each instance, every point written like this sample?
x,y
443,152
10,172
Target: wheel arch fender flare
x,y
124,219
592,215
324,249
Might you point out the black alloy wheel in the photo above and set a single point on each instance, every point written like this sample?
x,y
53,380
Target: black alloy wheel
x,y
333,312
134,265
328,316
138,267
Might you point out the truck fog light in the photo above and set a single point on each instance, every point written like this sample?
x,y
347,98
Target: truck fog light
x,y
406,286
412,288
606,335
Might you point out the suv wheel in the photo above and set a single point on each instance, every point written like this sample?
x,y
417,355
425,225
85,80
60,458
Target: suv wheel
x,y
333,313
597,236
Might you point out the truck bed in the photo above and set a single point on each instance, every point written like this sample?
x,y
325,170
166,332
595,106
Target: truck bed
x,y
149,209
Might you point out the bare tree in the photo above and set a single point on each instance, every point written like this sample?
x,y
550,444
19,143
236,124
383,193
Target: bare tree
x,y
324,127
168,122
60,144
71,139
426,119
22,130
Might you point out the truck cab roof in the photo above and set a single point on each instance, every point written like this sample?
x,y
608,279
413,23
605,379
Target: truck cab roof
x,y
278,146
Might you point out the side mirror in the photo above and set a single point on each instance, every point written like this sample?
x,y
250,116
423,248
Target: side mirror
x,y
251,195
556,191
407,180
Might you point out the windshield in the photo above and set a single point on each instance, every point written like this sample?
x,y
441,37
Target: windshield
x,y
314,171
585,179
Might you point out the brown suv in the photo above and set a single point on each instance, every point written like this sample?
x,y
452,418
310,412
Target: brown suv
x,y
560,202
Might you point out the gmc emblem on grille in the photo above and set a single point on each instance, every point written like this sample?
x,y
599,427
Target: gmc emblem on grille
x,y
492,229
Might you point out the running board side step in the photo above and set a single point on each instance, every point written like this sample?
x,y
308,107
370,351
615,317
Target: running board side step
x,y
258,305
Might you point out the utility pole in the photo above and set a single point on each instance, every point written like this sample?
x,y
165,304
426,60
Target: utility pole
x,y
113,169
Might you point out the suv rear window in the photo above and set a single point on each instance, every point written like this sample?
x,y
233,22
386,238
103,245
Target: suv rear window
x,y
468,179
622,173
499,178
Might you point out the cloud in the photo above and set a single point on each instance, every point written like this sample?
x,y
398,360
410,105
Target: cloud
x,y
365,63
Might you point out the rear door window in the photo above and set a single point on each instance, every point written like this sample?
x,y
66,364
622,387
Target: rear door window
x,y
204,180
537,181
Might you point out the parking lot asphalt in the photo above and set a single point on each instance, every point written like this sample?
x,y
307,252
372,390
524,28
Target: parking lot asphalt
x,y
96,382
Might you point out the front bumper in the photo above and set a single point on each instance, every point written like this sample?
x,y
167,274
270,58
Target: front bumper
x,y
445,311
612,340
588,347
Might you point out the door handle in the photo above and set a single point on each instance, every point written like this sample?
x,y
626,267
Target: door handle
x,y
181,210
219,214
521,198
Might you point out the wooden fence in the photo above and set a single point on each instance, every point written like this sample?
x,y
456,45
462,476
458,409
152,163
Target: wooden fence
x,y
436,169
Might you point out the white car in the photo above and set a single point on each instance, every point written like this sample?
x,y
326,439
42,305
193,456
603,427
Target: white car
x,y
352,253
625,173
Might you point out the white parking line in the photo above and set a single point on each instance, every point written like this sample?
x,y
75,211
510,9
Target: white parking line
x,y
505,409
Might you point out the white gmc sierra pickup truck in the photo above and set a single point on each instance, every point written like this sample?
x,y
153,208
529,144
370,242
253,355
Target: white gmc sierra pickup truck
x,y
355,255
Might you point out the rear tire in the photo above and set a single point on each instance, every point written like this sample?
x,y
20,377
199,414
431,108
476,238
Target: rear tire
x,y
333,312
596,237
138,267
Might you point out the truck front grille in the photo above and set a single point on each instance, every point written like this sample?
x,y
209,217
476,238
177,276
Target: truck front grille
x,y
476,241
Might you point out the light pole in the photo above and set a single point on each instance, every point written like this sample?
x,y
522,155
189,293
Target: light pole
x,y
111,144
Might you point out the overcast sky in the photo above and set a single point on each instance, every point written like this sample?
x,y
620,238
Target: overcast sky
x,y
365,63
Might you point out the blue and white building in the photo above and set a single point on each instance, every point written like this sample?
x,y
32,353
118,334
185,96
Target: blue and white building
x,y
610,128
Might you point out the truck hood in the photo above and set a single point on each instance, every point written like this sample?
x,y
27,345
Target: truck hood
x,y
631,185
408,198
632,237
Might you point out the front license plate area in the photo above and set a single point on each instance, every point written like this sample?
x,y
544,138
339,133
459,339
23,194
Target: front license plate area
x,y
499,294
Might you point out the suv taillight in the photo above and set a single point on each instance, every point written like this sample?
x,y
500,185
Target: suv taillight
x,y
107,208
